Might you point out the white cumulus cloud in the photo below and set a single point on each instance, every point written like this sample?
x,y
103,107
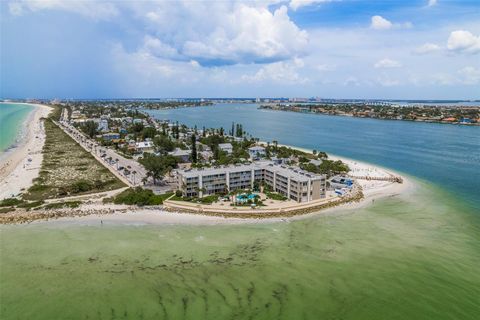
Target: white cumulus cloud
x,y
470,75
463,41
380,23
213,33
225,33
387,63
158,48
427,48
295,4
282,72
248,34
92,9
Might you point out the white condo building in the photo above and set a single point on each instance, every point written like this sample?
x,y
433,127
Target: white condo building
x,y
292,182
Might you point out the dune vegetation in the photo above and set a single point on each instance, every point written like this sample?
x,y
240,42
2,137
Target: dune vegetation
x,y
68,169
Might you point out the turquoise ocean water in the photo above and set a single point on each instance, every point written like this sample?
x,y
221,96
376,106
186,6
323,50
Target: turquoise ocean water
x,y
12,117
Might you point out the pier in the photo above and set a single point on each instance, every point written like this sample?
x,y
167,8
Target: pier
x,y
389,179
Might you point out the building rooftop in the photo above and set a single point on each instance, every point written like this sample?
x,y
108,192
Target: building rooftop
x,y
180,153
225,145
144,144
292,172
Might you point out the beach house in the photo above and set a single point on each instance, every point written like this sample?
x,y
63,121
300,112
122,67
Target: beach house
x,y
182,156
256,152
144,146
226,147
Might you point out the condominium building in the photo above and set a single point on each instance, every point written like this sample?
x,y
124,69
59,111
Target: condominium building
x,y
291,182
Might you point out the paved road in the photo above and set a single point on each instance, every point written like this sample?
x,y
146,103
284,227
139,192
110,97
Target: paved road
x,y
128,170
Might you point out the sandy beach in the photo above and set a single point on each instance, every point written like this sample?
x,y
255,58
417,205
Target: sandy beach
x,y
20,165
372,189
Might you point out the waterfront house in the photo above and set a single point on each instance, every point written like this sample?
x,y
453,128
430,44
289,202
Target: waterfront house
x,y
131,145
206,155
202,147
76,114
103,125
183,156
339,182
226,147
256,152
111,136
276,160
466,121
450,119
144,146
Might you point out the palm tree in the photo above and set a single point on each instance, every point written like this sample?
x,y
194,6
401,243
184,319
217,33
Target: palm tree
x,y
133,174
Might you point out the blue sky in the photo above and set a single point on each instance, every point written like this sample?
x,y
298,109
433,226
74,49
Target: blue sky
x,y
421,49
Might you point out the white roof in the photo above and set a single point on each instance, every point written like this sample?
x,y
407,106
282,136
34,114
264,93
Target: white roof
x,y
293,172
180,153
225,146
144,144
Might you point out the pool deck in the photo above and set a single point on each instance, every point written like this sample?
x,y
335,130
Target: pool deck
x,y
271,207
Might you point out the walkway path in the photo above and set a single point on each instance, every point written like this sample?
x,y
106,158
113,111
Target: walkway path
x,y
287,208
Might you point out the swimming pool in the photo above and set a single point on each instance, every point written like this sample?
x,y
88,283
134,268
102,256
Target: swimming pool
x,y
245,197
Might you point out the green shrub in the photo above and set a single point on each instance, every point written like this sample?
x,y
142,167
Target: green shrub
x,y
10,202
59,205
140,197
275,196
6,210
29,205
37,188
81,186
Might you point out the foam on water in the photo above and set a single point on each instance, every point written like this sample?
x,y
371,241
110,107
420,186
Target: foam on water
x,y
12,128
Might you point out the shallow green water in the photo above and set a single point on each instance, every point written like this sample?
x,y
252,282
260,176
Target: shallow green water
x,y
11,123
409,258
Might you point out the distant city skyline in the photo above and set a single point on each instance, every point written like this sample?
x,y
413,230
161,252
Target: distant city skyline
x,y
417,49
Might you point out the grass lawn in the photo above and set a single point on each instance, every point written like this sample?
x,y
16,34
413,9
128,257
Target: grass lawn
x,y
275,196
68,169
